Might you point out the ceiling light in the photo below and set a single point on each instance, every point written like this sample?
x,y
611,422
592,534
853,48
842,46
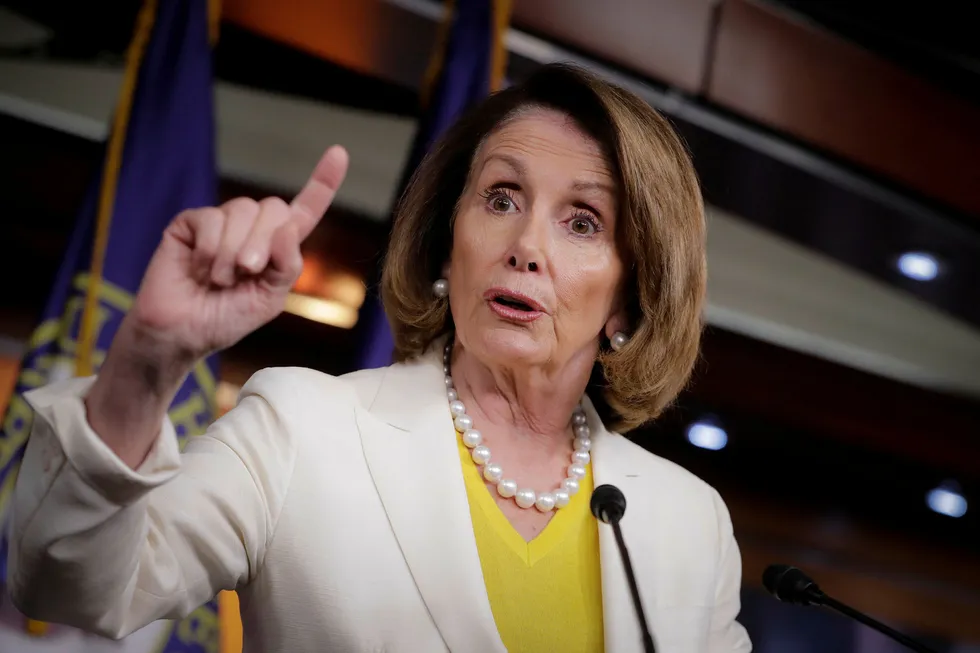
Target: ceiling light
x,y
325,311
348,289
707,434
918,265
319,280
947,500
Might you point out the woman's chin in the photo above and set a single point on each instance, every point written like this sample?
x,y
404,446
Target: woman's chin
x,y
508,345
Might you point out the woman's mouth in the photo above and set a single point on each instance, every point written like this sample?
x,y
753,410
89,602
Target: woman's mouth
x,y
513,306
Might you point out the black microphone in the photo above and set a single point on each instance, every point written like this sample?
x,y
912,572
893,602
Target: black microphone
x,y
609,505
791,585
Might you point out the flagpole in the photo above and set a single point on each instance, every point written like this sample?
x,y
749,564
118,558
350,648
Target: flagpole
x,y
86,344
498,58
110,178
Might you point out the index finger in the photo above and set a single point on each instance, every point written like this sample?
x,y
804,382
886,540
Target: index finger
x,y
312,202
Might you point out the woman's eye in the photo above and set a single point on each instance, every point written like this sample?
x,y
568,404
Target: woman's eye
x,y
501,203
583,226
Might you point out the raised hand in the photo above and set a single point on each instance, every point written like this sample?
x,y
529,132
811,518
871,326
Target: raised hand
x,y
222,272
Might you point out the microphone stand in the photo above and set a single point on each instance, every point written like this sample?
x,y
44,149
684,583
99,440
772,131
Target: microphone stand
x,y
648,646
843,608
792,585
608,504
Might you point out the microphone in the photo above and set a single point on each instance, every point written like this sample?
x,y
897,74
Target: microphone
x,y
790,585
609,505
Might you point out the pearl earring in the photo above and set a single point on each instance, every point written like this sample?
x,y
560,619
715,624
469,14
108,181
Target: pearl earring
x,y
440,288
618,340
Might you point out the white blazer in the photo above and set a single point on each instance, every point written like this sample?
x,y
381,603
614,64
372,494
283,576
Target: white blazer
x,y
337,508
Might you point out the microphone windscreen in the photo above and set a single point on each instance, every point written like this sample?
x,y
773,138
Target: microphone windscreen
x,y
771,577
791,585
608,503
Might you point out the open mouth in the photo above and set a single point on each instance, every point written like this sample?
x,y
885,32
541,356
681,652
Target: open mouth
x,y
510,302
513,306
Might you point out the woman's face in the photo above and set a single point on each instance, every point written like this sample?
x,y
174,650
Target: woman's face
x,y
535,274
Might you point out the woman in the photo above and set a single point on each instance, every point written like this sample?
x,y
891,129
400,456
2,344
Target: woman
x,y
544,284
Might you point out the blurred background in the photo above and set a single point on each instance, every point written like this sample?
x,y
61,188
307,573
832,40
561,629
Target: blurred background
x,y
836,406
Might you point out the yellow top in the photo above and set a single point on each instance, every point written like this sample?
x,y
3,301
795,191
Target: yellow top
x,y
546,594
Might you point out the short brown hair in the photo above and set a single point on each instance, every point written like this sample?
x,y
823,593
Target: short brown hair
x,y
661,236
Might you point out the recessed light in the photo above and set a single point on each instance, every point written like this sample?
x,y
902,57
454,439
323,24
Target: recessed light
x,y
707,434
947,500
918,265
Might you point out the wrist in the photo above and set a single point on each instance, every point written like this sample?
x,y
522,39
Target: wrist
x,y
140,376
158,355
135,386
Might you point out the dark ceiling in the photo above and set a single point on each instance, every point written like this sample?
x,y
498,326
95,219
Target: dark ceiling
x,y
937,40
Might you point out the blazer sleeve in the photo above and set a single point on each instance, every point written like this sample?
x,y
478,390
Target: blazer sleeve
x,y
727,635
97,545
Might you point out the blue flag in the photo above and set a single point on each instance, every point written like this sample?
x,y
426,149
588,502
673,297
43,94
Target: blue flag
x,y
159,160
466,66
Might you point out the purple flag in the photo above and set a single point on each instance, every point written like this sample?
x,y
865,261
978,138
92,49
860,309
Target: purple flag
x,y
462,80
167,165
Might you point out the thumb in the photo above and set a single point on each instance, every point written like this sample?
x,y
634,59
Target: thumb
x,y
285,260
314,199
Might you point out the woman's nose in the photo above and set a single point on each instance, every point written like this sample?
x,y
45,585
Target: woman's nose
x,y
521,264
527,253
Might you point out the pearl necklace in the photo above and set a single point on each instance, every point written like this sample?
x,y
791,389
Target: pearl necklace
x,y
494,473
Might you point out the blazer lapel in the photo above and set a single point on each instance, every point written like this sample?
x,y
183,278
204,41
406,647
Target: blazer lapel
x,y
407,434
611,463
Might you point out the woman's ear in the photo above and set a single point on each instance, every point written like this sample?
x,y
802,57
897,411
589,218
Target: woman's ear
x,y
445,270
617,323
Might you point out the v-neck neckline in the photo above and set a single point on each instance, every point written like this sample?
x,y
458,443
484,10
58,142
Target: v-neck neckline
x,y
556,530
